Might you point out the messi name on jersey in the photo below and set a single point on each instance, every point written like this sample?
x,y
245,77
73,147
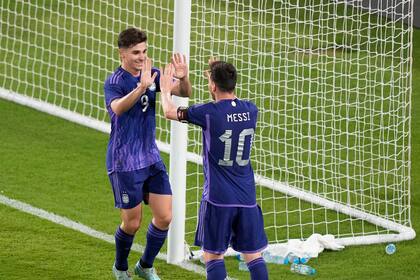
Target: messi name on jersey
x,y
238,117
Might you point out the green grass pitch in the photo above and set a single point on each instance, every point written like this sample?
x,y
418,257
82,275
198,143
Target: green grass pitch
x,y
60,167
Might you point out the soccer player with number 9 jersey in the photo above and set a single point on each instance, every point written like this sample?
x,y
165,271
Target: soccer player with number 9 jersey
x,y
135,169
229,214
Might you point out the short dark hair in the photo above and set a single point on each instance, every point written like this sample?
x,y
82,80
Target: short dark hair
x,y
223,74
131,37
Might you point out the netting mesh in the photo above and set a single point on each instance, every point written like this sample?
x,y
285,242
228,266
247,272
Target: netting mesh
x,y
332,81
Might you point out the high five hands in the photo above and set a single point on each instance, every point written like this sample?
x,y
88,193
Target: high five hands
x,y
167,81
172,73
179,63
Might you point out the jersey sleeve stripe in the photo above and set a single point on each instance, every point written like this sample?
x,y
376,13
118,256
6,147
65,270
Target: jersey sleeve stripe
x,y
116,78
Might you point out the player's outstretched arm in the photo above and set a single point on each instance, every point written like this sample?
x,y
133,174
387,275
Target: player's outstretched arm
x,y
184,88
167,85
122,105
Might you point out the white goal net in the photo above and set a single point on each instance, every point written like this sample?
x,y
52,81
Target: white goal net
x,y
332,80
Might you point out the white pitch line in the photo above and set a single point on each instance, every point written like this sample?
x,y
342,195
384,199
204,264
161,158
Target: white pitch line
x,y
27,208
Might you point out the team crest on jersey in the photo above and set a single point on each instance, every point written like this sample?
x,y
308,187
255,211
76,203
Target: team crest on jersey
x,y
125,198
152,87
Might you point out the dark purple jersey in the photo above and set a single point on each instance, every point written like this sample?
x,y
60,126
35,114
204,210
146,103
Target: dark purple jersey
x,y
228,131
132,143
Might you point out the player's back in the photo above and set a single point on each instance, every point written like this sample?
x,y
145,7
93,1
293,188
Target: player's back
x,y
228,136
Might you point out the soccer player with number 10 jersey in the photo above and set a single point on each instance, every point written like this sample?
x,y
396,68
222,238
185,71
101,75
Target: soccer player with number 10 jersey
x,y
229,214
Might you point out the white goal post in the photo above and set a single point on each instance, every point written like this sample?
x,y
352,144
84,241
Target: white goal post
x,y
331,79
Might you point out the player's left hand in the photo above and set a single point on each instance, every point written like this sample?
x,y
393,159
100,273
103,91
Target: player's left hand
x,y
147,79
179,63
167,82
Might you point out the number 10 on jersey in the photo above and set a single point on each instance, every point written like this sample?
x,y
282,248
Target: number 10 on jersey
x,y
227,139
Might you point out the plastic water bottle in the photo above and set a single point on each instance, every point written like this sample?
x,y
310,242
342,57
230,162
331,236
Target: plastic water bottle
x,y
242,266
390,249
292,258
305,259
302,269
269,258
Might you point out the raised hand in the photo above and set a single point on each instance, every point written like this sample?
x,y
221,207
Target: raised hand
x,y
147,79
212,59
179,63
167,82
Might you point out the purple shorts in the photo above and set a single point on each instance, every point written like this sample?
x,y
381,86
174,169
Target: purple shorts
x,y
132,187
241,227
